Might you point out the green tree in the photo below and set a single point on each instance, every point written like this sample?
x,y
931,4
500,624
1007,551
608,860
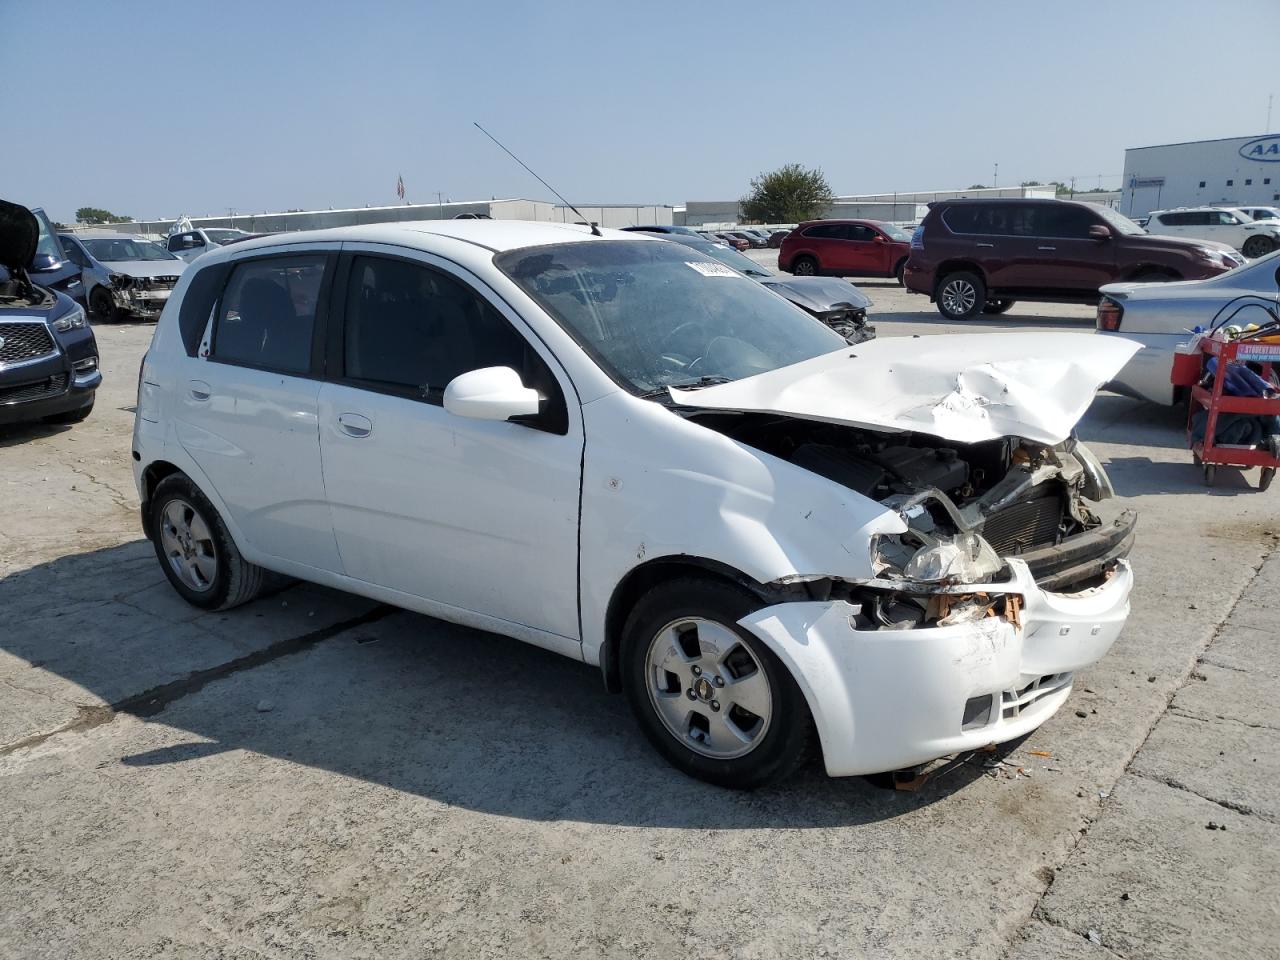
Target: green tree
x,y
98,215
787,195
976,186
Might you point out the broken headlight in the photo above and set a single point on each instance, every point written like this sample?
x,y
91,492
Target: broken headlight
x,y
964,558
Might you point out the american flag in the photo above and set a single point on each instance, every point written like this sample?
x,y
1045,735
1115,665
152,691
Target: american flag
x,y
400,186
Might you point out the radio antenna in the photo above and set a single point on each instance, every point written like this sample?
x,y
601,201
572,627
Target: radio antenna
x,y
595,230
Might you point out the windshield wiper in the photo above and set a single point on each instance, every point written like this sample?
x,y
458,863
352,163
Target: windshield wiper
x,y
660,392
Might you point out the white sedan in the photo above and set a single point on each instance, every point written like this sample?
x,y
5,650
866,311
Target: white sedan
x,y
627,452
1161,315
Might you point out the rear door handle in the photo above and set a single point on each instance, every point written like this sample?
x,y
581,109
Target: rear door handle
x,y
1046,248
984,245
355,425
199,390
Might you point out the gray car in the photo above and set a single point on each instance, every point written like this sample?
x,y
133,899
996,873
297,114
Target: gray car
x,y
124,276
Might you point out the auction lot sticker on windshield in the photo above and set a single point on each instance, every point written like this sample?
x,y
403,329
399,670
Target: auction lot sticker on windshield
x,y
709,268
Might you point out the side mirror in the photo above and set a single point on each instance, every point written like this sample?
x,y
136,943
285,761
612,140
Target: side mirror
x,y
490,393
45,261
1099,231
880,239
1278,276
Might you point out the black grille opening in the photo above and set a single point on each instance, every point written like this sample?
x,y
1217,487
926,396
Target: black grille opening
x,y
34,389
22,341
1035,522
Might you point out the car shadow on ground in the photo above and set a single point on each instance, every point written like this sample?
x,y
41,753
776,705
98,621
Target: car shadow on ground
x,y
13,434
468,718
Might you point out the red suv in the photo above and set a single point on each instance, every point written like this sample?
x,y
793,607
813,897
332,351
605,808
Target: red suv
x,y
980,256
845,248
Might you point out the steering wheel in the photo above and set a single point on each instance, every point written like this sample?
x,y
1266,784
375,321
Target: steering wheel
x,y
674,334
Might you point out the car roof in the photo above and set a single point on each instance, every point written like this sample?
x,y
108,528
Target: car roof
x,y
494,235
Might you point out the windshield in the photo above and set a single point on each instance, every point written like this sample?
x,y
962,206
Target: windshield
x,y
223,236
655,314
895,233
110,250
1118,222
733,258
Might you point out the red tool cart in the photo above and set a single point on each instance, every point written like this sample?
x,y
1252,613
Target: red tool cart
x,y
1189,371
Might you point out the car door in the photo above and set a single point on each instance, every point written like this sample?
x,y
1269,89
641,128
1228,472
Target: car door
x,y
467,514
1065,258
1227,228
865,250
246,406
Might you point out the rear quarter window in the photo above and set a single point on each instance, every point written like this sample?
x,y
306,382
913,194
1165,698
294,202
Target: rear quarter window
x,y
197,304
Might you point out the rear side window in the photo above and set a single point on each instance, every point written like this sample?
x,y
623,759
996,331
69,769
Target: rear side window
x,y
825,231
267,315
197,304
410,329
996,219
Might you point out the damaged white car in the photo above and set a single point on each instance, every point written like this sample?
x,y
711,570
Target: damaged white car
x,y
628,453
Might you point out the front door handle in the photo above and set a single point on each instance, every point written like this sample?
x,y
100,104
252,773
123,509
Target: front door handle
x,y
1046,248
199,390
355,425
992,245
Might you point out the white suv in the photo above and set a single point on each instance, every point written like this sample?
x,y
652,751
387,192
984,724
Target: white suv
x,y
1253,238
624,451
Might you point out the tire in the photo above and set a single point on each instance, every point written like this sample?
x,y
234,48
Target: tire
x,y
691,625
1268,474
804,267
71,416
186,531
1256,247
899,272
961,296
1210,474
101,305
994,307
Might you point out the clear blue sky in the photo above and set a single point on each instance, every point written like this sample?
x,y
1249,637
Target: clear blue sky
x,y
156,109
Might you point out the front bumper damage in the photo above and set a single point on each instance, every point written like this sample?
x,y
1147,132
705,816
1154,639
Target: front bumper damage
x,y
886,699
142,297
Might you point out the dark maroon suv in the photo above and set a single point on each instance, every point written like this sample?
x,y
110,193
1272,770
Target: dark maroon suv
x,y
981,256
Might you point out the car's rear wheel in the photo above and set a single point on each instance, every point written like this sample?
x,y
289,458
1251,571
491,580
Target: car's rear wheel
x,y
961,296
899,272
1258,247
804,267
102,304
998,306
709,696
195,550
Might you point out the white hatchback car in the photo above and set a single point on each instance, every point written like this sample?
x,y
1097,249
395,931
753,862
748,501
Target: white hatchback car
x,y
626,452
1253,238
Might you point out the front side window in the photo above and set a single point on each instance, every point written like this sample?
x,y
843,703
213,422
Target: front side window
x,y
861,233
410,329
267,314
656,314
1065,222
895,233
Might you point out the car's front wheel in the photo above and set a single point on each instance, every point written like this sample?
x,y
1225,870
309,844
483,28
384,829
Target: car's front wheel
x,y
961,296
195,550
1258,247
712,698
102,305
805,267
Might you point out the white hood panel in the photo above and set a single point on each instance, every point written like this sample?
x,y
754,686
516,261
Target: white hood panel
x,y
963,388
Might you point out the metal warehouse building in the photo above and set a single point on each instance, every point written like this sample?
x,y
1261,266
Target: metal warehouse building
x,y
1232,172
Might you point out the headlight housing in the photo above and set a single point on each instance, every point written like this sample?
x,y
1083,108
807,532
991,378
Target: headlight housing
x,y
73,320
964,558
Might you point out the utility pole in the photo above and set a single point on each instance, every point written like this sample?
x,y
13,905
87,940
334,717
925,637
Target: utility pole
x,y
1267,128
1073,188
440,204
995,176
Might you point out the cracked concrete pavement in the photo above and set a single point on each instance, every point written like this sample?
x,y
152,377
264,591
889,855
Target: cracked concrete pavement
x,y
317,775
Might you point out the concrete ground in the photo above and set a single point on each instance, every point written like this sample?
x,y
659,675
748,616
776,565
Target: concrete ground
x,y
317,775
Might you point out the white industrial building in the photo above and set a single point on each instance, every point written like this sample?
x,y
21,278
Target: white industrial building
x,y
606,215
1232,172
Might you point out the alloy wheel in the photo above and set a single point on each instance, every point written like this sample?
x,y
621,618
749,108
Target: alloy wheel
x,y
708,688
188,545
959,296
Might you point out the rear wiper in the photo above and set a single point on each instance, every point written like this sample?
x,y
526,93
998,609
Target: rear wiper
x,y
695,384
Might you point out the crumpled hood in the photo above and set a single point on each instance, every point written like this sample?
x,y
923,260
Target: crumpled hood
x,y
146,268
818,294
963,388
